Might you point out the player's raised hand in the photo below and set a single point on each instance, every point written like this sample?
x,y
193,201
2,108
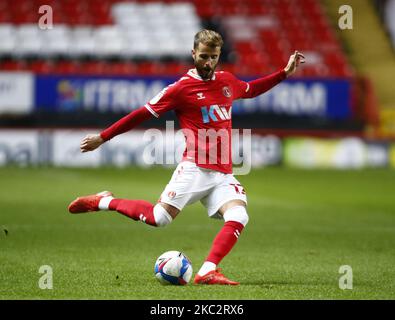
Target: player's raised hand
x,y
294,61
91,142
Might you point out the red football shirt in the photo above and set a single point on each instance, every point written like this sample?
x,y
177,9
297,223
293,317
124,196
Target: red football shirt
x,y
204,111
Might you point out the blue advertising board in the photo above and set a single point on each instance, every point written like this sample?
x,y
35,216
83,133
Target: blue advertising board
x,y
330,98
102,94
307,97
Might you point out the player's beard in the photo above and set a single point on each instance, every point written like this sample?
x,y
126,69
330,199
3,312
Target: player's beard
x,y
205,73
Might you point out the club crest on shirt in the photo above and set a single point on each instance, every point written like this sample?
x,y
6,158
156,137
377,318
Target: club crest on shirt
x,y
226,91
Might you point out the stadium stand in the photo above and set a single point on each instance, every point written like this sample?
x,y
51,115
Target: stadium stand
x,y
370,51
386,10
103,59
150,37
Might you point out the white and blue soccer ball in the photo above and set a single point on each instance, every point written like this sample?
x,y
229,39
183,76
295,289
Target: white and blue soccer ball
x,y
173,267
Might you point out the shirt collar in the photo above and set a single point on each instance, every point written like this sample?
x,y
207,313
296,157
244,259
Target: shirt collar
x,y
194,74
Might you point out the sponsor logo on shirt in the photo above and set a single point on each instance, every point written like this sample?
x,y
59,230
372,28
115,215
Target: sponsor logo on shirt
x,y
214,112
200,96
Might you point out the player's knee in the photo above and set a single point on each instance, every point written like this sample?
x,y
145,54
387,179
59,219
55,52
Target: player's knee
x,y
237,213
162,217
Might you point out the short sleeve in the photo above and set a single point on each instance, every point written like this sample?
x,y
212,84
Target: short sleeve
x,y
239,87
164,101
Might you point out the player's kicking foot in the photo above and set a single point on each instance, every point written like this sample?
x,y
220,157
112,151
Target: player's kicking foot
x,y
88,203
214,277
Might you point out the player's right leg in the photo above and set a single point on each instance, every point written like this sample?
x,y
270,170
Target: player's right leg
x,y
88,203
182,189
158,215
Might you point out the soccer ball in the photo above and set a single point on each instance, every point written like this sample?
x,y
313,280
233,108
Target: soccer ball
x,y
173,267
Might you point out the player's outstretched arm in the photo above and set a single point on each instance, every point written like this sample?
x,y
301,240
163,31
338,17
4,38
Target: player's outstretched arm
x,y
261,85
133,119
294,61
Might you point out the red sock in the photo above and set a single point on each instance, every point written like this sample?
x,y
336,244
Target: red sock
x,y
224,241
135,209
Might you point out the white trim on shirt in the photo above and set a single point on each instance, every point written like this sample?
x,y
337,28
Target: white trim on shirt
x,y
151,110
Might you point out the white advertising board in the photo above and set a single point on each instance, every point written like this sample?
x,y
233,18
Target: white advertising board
x,y
16,92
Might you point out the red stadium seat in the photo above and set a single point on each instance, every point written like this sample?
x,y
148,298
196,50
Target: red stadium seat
x,y
175,68
40,66
272,31
93,67
120,68
13,65
148,68
66,67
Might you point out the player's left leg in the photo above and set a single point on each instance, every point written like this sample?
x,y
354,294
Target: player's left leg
x,y
228,201
158,215
235,216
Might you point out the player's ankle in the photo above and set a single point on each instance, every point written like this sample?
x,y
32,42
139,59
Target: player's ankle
x,y
104,203
206,268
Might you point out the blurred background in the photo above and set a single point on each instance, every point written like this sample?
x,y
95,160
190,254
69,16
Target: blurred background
x,y
103,59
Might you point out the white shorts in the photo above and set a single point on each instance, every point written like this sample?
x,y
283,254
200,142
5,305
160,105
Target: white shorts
x,y
191,183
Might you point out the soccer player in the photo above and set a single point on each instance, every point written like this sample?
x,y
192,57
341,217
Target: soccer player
x,y
202,100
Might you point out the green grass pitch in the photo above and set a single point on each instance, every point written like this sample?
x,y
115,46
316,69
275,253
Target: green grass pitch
x,y
303,226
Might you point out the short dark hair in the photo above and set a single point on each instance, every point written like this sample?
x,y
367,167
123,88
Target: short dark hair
x,y
209,38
